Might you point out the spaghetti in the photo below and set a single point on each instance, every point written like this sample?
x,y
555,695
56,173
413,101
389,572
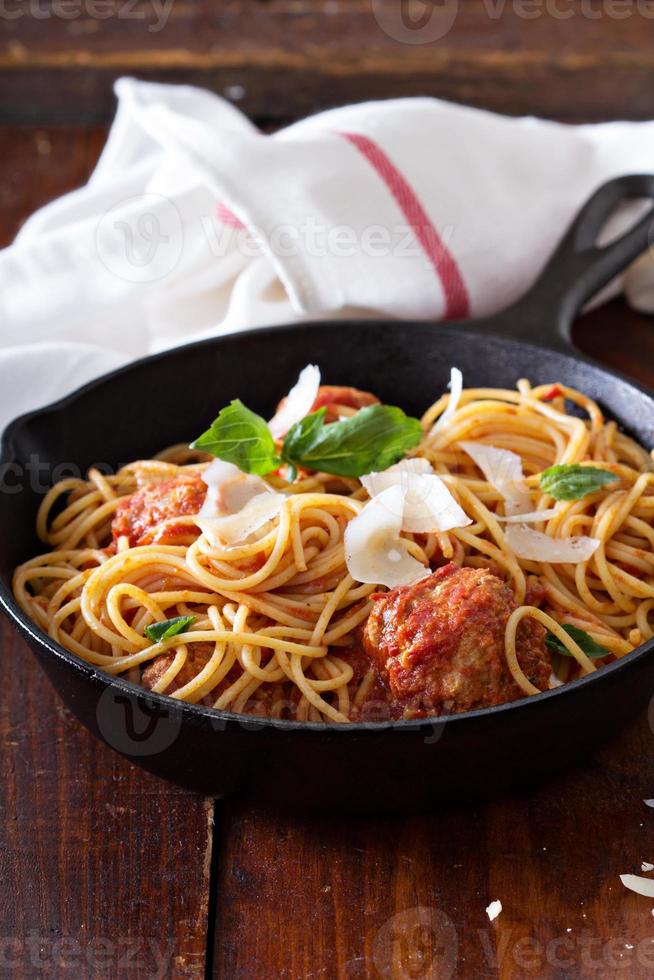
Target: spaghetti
x,y
275,619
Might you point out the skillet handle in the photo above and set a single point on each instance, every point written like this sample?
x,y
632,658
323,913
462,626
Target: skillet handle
x,y
579,268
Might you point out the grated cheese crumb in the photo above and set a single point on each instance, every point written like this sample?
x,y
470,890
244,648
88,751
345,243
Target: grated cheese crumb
x,y
494,909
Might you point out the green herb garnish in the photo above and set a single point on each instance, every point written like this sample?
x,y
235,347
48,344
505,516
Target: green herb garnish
x,y
373,439
572,481
241,437
168,627
592,649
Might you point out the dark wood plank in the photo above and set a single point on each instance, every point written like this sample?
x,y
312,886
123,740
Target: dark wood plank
x,y
619,337
103,867
104,870
284,58
39,163
353,898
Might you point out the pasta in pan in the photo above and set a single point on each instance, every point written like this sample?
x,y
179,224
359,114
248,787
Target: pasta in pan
x,y
503,546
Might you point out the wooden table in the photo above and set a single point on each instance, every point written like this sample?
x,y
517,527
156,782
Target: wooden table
x,y
107,872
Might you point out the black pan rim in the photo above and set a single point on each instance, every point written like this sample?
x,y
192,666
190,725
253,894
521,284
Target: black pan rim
x,y
199,714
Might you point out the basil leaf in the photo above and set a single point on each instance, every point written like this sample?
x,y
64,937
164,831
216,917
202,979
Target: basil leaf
x,y
303,435
169,627
572,481
373,439
587,643
241,437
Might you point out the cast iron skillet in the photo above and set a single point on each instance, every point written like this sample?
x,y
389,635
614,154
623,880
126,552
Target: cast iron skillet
x,y
171,397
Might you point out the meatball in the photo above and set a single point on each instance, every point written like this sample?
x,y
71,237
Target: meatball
x,y
332,397
439,643
197,659
139,516
199,655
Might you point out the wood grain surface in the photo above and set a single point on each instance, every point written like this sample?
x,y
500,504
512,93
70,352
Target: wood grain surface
x,y
337,897
107,872
568,59
104,871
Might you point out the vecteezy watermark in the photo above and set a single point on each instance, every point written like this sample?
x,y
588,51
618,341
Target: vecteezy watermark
x,y
137,725
428,21
39,475
318,240
97,957
140,239
422,944
140,724
154,14
417,944
575,953
416,21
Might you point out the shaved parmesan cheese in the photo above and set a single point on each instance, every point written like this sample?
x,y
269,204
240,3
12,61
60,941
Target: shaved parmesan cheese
x,y
499,466
427,505
374,551
229,489
533,545
298,403
494,909
503,470
417,465
649,802
646,866
236,528
456,390
396,476
237,504
642,886
554,682
531,518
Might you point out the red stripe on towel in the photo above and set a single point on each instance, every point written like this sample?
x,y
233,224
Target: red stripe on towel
x,y
227,217
457,303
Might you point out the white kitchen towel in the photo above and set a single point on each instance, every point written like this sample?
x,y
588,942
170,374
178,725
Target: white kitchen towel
x,y
195,224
